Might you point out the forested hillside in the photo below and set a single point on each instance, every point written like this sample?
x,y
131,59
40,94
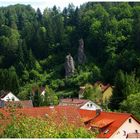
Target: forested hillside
x,y
33,47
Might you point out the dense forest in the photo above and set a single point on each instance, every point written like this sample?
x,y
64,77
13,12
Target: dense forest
x,y
33,47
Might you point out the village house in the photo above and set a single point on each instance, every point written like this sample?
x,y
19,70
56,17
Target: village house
x,y
8,96
79,103
111,124
106,91
57,113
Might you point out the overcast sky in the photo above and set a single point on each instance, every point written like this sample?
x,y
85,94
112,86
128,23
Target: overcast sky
x,y
42,4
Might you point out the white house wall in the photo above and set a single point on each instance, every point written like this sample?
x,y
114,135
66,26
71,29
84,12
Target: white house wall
x,y
90,106
10,97
128,128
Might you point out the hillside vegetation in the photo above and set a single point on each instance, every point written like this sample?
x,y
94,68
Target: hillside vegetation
x,y
33,47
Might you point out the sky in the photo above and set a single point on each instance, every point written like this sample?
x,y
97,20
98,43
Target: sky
x,y
42,4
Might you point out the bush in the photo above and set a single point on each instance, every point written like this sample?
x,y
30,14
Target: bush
x,y
28,127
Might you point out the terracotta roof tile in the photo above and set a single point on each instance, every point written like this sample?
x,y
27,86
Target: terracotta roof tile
x,y
102,123
3,95
70,101
19,104
108,120
112,123
60,112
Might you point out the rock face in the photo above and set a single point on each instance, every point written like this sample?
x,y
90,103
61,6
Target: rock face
x,y
69,65
81,55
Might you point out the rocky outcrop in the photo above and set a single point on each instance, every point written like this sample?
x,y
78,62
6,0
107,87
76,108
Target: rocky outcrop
x,y
69,65
81,54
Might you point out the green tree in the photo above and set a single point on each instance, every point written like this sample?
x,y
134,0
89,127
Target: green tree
x,y
93,94
36,98
50,98
132,104
118,94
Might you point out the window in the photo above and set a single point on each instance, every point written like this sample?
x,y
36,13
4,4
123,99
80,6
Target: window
x,y
87,105
90,105
8,99
124,133
106,131
136,131
130,120
13,99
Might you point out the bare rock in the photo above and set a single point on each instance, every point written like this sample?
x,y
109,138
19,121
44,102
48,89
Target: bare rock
x,y
69,65
81,54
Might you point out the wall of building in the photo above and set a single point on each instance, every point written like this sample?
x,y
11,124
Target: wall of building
x,y
107,94
90,106
126,128
10,97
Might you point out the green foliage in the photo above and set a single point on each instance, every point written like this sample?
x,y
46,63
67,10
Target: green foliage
x,y
9,80
36,98
125,85
93,93
28,127
36,45
50,98
132,104
118,94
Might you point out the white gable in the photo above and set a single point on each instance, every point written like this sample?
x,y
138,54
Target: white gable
x,y
90,106
43,92
129,126
10,97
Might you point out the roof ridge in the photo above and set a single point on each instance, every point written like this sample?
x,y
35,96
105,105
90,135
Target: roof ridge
x,y
118,113
48,107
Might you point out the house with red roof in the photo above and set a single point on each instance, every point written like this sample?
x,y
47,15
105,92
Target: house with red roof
x,y
57,113
111,124
79,103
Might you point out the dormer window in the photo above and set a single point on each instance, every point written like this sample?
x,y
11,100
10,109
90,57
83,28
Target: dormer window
x,y
130,120
106,131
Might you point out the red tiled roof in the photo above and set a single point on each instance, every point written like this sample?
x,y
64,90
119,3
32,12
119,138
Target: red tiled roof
x,y
4,94
4,112
103,87
115,120
109,121
4,119
19,104
102,123
78,102
58,112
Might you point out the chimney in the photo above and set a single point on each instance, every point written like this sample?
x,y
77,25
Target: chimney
x,y
98,112
51,106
